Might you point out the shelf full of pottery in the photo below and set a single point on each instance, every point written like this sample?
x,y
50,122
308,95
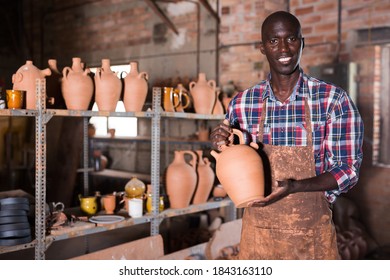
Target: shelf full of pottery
x,y
29,79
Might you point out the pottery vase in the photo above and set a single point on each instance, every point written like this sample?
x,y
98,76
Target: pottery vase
x,y
25,79
181,179
203,94
108,87
206,178
77,86
53,87
218,107
135,89
240,170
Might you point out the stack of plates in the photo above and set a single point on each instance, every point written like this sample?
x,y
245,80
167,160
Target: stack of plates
x,y
14,226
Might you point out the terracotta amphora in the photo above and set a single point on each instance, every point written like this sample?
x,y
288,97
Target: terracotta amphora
x,y
77,86
206,178
25,79
240,170
203,94
181,179
108,87
53,87
218,107
135,89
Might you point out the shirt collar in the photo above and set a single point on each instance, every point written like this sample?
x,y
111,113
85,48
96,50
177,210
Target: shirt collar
x,y
300,89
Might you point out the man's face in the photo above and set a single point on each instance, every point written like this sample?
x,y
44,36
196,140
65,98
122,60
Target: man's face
x,y
282,45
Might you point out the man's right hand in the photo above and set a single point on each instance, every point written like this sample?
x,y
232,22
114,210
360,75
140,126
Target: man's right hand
x,y
220,135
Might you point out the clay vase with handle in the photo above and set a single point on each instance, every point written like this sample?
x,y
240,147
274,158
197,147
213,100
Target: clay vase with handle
x,y
240,170
206,178
203,94
108,87
77,86
218,107
53,86
181,179
135,89
25,79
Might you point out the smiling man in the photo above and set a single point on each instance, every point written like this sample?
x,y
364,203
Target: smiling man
x,y
311,134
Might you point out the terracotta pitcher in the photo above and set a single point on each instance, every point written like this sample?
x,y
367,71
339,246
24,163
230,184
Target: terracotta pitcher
x,y
135,89
203,94
240,170
183,97
108,87
206,178
181,179
77,86
218,107
25,79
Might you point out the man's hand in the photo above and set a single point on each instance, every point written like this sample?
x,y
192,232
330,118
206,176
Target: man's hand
x,y
281,189
220,135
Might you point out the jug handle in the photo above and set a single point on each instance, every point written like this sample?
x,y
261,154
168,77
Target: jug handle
x,y
212,84
172,97
191,85
194,158
80,197
121,75
143,75
66,71
187,98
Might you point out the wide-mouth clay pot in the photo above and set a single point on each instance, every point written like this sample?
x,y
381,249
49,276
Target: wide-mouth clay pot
x,y
240,171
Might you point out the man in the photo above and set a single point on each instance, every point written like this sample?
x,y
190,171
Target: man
x,y
312,135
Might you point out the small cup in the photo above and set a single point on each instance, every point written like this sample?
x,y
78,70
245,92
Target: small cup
x,y
109,202
15,99
135,207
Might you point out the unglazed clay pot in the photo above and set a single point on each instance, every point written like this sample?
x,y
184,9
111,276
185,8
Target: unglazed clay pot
x,y
206,178
77,86
108,87
203,94
181,179
240,170
25,79
218,107
135,89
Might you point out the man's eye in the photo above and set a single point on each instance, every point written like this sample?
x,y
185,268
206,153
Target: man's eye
x,y
292,39
273,41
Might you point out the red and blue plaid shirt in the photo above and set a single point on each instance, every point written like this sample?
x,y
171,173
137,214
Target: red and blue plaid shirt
x,y
336,124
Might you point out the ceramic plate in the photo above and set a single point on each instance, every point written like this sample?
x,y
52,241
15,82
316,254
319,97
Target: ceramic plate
x,y
106,219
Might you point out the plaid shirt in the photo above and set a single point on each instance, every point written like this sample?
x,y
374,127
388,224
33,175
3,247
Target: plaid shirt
x,y
336,124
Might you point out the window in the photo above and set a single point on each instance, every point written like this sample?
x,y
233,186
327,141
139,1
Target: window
x,y
124,126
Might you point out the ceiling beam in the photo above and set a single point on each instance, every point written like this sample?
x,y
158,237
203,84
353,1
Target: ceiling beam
x,y
206,4
152,4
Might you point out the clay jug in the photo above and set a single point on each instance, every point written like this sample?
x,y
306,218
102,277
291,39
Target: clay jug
x,y
181,179
206,178
77,86
203,94
53,87
240,170
108,87
218,107
135,89
25,79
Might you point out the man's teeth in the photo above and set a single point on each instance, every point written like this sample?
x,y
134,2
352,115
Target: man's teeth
x,y
284,59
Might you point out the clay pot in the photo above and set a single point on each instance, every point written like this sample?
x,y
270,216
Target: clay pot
x,y
219,192
181,179
203,94
240,170
25,79
135,89
53,87
206,178
108,87
218,107
77,86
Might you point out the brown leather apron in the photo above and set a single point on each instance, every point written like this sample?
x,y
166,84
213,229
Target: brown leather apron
x,y
298,226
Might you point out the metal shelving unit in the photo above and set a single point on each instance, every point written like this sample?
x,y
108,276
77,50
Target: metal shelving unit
x,y
43,116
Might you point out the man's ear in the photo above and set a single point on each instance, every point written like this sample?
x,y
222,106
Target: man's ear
x,y
261,46
303,43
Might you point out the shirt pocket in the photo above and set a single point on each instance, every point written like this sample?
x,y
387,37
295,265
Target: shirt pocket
x,y
300,134
319,130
